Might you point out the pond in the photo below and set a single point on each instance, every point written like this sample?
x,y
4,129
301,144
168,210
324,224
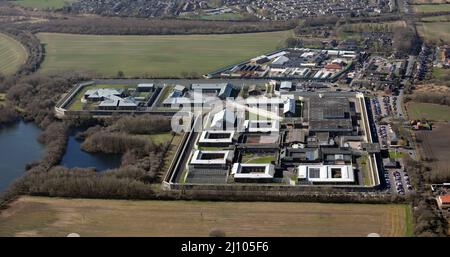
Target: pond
x,y
75,157
18,146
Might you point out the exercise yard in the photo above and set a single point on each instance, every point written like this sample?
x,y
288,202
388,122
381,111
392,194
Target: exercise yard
x,y
153,56
41,216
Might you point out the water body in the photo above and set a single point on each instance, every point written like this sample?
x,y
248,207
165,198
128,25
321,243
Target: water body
x,y
18,146
75,157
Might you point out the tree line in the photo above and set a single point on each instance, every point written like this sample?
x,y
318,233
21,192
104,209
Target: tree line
x,y
427,219
138,26
427,97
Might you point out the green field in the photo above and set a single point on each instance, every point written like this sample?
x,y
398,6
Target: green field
x,y
160,138
434,31
43,216
43,4
12,54
435,112
440,73
431,8
161,56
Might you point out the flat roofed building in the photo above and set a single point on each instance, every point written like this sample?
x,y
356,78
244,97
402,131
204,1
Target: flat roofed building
x,y
145,87
295,136
326,174
262,126
286,86
118,104
217,138
253,172
330,114
211,158
222,90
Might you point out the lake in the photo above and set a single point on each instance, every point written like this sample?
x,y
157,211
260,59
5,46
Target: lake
x,y
18,146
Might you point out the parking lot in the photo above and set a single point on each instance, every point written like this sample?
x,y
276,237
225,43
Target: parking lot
x,y
397,181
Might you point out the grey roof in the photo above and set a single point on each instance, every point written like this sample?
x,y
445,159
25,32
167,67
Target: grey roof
x,y
179,88
289,106
103,92
224,89
146,85
286,85
329,114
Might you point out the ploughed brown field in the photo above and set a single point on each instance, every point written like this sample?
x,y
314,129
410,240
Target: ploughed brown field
x,y
42,216
435,146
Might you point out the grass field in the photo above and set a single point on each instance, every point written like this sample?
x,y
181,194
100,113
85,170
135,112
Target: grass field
x,y
159,138
12,54
160,56
434,31
434,112
40,216
431,8
43,4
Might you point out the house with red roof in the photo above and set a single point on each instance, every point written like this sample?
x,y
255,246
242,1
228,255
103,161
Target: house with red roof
x,y
443,202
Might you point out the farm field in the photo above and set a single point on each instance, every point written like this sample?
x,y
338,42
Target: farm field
x,y
156,56
43,4
434,31
12,54
434,112
435,146
41,216
441,7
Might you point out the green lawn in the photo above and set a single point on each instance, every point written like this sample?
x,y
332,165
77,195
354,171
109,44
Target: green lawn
x,y
12,55
257,159
160,138
395,155
440,73
432,8
43,4
435,112
160,56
